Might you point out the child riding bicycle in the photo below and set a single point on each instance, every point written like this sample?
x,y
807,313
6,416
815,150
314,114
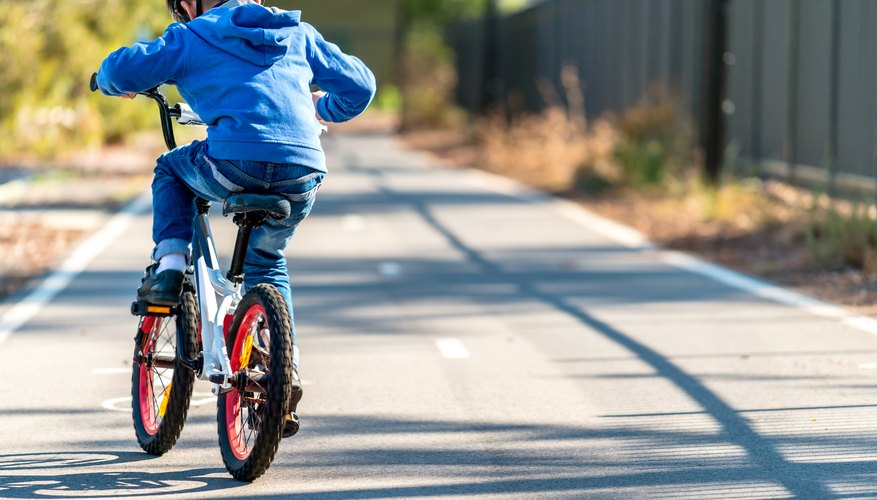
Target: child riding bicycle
x,y
247,71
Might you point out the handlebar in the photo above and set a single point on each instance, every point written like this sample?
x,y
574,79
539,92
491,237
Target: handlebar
x,y
182,112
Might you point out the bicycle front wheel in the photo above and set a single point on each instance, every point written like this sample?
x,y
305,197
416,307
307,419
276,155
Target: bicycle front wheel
x,y
251,416
161,387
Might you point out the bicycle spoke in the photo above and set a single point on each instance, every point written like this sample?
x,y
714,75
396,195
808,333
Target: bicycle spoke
x,y
252,415
163,334
241,428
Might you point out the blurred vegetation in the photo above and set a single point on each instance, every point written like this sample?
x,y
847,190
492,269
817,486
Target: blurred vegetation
x,y
656,142
48,50
428,81
646,156
841,233
426,74
648,146
440,11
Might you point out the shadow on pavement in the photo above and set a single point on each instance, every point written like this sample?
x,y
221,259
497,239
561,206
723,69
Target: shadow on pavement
x,y
65,459
764,454
730,456
77,475
678,462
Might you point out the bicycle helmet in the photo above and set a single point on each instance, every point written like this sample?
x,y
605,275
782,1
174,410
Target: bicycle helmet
x,y
180,15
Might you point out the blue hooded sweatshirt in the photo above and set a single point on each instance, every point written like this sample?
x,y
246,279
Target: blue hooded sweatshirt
x,y
247,71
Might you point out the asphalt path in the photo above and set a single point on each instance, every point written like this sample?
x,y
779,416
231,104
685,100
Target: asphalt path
x,y
461,339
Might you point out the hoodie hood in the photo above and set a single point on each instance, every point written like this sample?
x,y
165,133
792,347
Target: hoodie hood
x,y
256,34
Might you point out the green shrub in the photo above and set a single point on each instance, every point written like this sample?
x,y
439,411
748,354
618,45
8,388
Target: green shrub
x,y
843,234
428,81
48,50
655,142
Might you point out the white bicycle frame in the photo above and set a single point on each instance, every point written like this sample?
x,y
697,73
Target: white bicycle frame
x,y
217,297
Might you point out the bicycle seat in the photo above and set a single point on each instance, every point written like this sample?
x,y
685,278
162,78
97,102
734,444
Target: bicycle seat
x,y
275,206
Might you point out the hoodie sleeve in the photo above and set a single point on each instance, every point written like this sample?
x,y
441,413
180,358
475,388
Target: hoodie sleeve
x,y
349,84
144,65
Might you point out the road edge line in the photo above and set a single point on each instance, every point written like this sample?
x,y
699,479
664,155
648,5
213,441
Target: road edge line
x,y
633,239
452,348
72,266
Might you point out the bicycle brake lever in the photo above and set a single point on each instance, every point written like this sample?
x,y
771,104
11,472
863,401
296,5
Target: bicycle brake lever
x,y
187,115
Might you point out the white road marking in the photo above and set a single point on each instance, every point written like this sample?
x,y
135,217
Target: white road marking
x,y
28,307
353,223
110,404
868,366
768,291
202,398
12,190
452,348
627,236
633,239
111,371
198,399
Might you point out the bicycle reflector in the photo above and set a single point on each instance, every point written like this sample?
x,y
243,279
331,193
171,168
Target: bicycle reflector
x,y
158,310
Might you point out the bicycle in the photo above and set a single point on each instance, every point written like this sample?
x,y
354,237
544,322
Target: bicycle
x,y
240,343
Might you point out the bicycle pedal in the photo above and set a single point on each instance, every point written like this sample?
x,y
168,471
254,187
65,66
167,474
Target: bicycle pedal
x,y
140,308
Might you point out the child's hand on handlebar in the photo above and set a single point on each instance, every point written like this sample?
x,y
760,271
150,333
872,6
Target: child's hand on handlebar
x,y
130,95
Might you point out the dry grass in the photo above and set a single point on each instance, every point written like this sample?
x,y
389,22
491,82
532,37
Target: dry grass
x,y
545,150
27,250
640,168
554,150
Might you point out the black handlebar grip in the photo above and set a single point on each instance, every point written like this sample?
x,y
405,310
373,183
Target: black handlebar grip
x,y
93,83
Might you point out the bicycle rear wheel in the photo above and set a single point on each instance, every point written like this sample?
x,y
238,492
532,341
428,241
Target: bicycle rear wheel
x,y
251,416
161,387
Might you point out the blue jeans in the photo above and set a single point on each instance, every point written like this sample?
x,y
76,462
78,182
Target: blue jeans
x,y
187,172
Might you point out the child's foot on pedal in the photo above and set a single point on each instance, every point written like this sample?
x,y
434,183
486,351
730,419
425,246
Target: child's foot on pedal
x,y
162,288
291,423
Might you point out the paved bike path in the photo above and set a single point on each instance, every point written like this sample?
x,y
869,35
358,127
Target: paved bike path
x,y
457,341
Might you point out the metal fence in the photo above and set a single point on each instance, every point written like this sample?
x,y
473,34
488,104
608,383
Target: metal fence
x,y
800,96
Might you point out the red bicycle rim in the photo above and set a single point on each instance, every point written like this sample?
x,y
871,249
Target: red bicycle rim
x,y
147,408
235,427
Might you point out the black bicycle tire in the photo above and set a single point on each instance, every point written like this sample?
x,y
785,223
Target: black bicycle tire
x,y
183,381
279,388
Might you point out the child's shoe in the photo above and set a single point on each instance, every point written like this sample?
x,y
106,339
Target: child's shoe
x,y
163,288
291,424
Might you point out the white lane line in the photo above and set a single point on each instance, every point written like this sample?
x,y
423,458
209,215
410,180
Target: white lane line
x,y
111,371
452,348
28,307
631,238
353,223
198,399
768,291
624,235
110,404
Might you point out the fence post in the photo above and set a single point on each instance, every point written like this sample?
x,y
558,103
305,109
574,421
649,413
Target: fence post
x,y
791,135
715,78
756,83
834,102
490,91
